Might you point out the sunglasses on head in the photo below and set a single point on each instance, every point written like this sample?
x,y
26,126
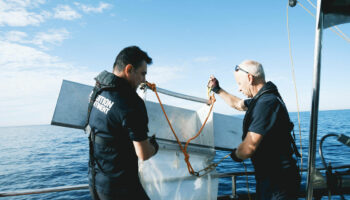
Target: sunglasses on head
x,y
237,68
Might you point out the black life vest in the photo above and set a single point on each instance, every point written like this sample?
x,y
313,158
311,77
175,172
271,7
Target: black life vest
x,y
104,81
269,88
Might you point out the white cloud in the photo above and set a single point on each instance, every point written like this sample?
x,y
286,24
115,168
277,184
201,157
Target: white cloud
x,y
53,36
15,58
19,17
90,9
65,12
41,39
15,36
25,3
18,57
15,13
33,79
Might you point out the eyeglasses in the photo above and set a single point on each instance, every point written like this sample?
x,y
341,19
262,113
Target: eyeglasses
x,y
237,68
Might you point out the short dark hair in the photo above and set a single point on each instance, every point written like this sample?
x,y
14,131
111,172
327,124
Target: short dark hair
x,y
131,55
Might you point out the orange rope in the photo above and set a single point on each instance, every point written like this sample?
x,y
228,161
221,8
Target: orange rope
x,y
184,150
205,121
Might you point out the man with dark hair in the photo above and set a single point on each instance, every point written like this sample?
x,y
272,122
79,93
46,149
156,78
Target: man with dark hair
x,y
266,135
131,55
118,127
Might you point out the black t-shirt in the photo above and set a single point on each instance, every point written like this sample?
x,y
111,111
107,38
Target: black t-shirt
x,y
118,115
269,118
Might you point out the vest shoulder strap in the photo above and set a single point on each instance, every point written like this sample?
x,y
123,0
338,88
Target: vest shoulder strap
x,y
95,92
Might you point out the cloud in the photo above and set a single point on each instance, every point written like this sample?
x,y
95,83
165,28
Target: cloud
x,y
65,12
19,57
90,9
16,59
33,79
53,36
24,3
41,39
15,13
15,36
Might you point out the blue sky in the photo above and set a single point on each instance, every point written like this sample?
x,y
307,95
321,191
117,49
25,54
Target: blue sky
x,y
43,42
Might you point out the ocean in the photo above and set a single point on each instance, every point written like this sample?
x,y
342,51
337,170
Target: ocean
x,y
42,156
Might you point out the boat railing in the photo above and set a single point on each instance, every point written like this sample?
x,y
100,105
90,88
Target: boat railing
x,y
179,95
322,191
233,176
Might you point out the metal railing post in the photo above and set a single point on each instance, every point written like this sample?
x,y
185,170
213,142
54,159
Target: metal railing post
x,y
234,194
315,102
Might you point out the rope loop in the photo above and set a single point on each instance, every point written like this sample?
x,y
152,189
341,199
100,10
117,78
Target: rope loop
x,y
152,86
212,99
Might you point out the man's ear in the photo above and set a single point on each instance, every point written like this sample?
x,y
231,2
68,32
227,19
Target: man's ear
x,y
251,79
128,69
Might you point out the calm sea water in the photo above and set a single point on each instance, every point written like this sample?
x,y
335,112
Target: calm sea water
x,y
34,157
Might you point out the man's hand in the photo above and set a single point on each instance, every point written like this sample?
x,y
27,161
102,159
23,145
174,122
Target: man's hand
x,y
213,84
234,156
153,142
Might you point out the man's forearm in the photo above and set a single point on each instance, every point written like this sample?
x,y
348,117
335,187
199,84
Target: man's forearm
x,y
249,145
243,152
144,149
231,100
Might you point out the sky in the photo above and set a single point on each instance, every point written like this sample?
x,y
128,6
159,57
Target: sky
x,y
43,42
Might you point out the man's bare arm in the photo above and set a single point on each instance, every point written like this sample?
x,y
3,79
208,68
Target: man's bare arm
x,y
232,100
144,149
249,145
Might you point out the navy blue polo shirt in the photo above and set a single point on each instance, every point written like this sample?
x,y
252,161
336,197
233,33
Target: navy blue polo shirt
x,y
118,115
270,118
265,113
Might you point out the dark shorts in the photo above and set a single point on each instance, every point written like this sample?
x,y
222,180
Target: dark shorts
x,y
121,195
286,186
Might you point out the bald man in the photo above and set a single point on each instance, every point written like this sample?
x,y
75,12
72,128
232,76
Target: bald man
x,y
266,135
